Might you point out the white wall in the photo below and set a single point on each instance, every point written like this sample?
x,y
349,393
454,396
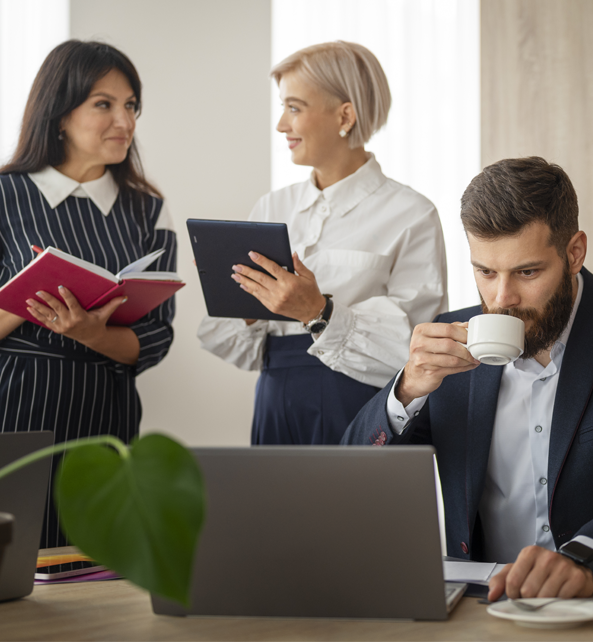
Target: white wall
x,y
430,52
29,30
204,135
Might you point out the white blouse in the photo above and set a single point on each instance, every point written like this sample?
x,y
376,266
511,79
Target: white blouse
x,y
378,247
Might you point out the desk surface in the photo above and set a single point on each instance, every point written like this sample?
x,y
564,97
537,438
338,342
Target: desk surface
x,y
116,610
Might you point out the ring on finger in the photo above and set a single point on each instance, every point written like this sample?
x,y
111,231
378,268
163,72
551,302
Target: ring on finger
x,y
54,319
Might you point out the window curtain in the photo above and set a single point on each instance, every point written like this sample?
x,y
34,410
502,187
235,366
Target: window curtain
x,y
430,51
29,30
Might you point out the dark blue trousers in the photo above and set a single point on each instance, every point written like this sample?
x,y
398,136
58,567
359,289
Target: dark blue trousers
x,y
299,400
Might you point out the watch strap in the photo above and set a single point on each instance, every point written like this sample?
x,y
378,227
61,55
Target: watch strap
x,y
584,556
320,322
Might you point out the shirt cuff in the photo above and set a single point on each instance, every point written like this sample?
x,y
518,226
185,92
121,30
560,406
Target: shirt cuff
x,y
583,539
257,328
328,345
400,417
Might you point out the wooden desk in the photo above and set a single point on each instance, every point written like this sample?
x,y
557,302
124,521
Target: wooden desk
x,y
117,610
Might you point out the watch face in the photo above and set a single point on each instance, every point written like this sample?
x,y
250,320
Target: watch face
x,y
318,327
578,551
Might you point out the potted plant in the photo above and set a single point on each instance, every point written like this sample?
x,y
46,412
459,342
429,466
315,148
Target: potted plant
x,y
138,510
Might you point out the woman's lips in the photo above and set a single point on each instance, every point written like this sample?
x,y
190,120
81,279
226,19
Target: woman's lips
x,y
293,142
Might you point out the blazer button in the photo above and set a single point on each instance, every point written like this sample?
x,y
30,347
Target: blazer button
x,y
464,548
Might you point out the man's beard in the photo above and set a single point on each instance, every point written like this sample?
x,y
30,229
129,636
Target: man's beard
x,y
547,325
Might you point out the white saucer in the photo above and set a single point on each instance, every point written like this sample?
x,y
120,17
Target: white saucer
x,y
564,614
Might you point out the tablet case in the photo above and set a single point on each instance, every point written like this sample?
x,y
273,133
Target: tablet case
x,y
218,245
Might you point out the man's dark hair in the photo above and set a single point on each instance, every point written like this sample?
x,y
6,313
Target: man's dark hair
x,y
513,193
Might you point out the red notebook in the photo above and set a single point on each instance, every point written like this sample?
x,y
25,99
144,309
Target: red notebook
x,y
93,286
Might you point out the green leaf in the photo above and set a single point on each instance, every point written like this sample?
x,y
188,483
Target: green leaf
x,y
139,515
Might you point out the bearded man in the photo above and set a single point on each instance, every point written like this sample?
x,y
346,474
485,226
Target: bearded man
x,y
515,443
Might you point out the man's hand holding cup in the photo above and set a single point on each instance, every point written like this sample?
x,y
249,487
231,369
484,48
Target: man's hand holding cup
x,y
441,349
436,351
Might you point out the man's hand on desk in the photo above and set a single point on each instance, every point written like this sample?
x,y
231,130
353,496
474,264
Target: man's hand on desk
x,y
436,350
539,572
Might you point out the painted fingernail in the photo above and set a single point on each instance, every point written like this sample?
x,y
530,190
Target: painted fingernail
x,y
237,268
125,299
39,293
235,277
60,287
29,301
243,287
253,255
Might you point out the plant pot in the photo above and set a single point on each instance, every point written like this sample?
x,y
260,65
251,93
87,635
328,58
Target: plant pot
x,y
6,525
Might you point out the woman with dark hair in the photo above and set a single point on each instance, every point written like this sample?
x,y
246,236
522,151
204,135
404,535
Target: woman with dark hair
x,y
75,182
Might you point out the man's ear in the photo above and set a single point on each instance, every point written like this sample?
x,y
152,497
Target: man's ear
x,y
576,250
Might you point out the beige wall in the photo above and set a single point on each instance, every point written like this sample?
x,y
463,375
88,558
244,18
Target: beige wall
x,y
205,139
537,87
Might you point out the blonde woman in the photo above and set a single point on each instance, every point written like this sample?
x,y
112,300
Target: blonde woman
x,y
368,253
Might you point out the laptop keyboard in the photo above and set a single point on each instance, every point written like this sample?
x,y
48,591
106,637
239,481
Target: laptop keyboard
x,y
453,593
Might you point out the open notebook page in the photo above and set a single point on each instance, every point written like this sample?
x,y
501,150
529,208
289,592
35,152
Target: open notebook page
x,y
135,268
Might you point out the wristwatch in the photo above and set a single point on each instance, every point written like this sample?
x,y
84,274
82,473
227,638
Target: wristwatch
x,y
578,552
319,323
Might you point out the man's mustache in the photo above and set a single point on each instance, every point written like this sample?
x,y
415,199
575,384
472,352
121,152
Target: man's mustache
x,y
525,314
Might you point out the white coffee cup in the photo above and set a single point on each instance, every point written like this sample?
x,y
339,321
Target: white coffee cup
x,y
495,339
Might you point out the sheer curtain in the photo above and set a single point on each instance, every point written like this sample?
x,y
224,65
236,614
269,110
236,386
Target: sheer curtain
x,y
430,52
29,30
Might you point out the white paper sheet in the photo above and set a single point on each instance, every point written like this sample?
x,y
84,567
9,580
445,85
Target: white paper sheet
x,y
474,572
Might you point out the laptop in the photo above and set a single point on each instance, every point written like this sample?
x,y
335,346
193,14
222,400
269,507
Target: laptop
x,y
329,531
23,494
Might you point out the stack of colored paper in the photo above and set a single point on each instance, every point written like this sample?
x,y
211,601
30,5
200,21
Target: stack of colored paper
x,y
62,565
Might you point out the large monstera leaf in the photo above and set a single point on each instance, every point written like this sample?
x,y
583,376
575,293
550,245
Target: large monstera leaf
x,y
138,511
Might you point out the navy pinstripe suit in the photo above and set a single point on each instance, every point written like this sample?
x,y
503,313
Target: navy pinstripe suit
x,y
50,382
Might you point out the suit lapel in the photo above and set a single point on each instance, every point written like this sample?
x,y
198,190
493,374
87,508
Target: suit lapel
x,y
574,384
483,398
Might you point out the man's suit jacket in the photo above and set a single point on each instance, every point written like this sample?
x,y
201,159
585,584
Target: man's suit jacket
x,y
458,420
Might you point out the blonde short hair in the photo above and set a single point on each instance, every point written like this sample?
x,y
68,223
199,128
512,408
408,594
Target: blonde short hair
x,y
351,73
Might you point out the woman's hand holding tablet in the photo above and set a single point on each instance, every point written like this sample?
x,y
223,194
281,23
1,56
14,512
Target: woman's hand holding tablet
x,y
296,296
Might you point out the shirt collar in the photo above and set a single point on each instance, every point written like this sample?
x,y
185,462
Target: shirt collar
x,y
346,194
563,340
57,187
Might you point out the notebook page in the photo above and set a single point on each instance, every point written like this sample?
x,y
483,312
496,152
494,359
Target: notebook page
x,y
91,267
152,276
140,265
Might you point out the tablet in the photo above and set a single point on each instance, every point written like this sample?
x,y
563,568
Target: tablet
x,y
218,245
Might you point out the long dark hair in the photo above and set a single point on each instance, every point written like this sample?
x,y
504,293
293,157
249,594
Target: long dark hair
x,y
63,83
